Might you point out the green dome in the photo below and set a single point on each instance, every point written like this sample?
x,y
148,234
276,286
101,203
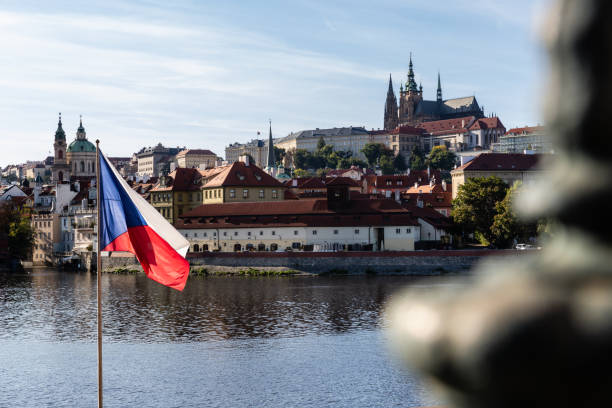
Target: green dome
x,y
81,145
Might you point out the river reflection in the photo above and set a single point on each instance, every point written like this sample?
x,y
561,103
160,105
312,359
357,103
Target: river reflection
x,y
60,306
223,342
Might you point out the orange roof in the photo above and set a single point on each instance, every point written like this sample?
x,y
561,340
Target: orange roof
x,y
181,179
525,130
447,125
488,123
240,175
501,161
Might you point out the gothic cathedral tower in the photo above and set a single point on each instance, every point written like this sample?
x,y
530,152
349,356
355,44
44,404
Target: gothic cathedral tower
x,y
409,99
60,170
391,116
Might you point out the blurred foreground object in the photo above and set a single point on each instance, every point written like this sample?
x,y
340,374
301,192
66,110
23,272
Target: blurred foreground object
x,y
538,333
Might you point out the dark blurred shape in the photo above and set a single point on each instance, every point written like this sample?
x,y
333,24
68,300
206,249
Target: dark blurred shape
x,y
539,332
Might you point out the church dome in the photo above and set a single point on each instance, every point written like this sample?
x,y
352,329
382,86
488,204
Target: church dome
x,y
81,145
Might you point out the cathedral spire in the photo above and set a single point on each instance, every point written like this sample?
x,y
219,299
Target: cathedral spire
x,y
391,112
271,159
439,93
411,84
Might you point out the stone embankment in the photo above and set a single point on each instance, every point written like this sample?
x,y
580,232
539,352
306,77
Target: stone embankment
x,y
322,263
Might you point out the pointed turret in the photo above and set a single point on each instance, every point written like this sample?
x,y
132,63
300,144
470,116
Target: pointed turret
x,y
59,133
81,130
439,92
271,157
391,113
411,84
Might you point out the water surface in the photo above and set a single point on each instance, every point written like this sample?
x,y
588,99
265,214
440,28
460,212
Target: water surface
x,y
223,342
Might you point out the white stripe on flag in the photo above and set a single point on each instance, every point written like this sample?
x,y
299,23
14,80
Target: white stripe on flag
x,y
153,218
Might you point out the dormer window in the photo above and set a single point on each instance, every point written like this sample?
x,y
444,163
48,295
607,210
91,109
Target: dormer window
x,y
258,177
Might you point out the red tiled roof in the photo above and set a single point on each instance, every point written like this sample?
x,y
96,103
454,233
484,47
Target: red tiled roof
x,y
341,181
488,123
182,179
525,130
447,124
436,200
416,176
429,215
239,174
501,161
310,213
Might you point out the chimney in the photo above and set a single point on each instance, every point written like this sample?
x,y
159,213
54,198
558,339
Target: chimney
x,y
420,202
397,196
416,185
244,159
294,183
428,172
84,204
444,185
462,123
408,171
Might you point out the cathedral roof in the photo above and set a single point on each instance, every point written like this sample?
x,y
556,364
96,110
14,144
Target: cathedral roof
x,y
81,145
465,104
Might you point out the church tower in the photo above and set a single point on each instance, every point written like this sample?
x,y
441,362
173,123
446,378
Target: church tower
x,y
271,159
60,170
410,98
391,116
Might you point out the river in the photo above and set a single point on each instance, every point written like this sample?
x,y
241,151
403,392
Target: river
x,y
223,342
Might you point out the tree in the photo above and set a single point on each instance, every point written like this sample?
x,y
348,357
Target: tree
x,y
279,155
440,158
386,165
399,163
300,173
301,158
506,225
18,231
417,159
474,208
320,143
322,172
372,152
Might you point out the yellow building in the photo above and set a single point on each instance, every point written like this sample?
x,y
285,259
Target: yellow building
x,y
509,167
177,193
240,181
194,158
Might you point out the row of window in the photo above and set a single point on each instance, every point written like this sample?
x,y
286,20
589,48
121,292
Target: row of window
x,y
245,193
295,232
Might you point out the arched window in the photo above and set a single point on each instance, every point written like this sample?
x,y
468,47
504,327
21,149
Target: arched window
x,y
237,247
82,167
60,154
196,248
60,176
204,247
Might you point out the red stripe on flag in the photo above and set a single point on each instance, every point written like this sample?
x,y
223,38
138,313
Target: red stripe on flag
x,y
159,260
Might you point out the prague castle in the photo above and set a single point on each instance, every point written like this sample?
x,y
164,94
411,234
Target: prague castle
x,y
413,109
76,160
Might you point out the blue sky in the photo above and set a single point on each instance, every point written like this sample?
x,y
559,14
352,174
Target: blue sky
x,y
205,74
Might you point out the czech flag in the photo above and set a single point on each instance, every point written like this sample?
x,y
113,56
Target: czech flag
x,y
129,223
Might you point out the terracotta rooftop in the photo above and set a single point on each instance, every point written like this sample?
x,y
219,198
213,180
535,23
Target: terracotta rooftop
x,y
240,175
181,179
447,124
525,130
501,161
488,123
313,212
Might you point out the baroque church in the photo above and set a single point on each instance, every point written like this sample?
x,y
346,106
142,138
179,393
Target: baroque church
x,y
77,160
413,109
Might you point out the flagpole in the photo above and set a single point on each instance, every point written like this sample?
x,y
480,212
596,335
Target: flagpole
x,y
98,273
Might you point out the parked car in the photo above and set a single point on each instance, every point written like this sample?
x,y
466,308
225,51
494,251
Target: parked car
x,y
526,247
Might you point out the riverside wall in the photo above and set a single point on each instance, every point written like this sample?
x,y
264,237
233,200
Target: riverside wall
x,y
412,263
